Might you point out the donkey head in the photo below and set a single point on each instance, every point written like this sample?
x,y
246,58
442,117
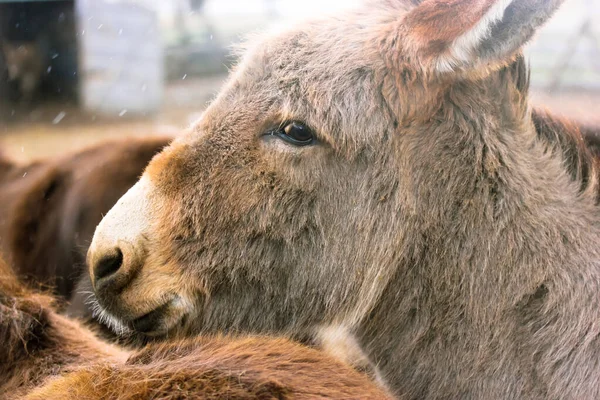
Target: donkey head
x,y
338,151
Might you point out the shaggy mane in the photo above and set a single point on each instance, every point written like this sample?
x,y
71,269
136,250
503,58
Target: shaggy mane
x,y
581,161
578,145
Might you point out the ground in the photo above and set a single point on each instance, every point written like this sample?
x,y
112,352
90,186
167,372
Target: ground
x,y
52,129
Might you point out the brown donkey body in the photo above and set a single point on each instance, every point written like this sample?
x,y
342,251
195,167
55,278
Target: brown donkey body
x,y
47,356
49,209
377,174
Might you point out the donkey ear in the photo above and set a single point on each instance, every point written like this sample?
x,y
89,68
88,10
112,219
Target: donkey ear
x,y
449,35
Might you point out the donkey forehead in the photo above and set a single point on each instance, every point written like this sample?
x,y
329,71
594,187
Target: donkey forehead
x,y
323,74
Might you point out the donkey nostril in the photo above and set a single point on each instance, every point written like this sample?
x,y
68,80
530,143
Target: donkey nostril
x,y
108,264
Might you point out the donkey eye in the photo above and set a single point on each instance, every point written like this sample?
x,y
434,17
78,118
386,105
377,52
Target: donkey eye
x,y
296,133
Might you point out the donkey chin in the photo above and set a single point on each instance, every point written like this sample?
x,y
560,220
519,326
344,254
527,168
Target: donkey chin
x,y
156,308
167,315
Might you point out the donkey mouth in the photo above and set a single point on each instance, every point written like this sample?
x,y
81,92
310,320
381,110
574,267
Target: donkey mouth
x,y
161,320
148,323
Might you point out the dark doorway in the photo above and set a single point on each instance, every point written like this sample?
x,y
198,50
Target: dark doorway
x,y
38,52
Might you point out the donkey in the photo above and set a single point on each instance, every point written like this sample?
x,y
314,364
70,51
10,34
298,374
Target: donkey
x,y
47,356
579,144
378,174
49,209
37,342
25,63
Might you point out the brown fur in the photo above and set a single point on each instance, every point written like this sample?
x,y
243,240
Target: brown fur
x,y
51,208
37,342
251,368
436,24
452,241
46,356
5,164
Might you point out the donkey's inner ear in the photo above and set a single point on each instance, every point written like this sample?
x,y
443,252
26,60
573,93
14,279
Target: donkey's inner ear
x,y
462,35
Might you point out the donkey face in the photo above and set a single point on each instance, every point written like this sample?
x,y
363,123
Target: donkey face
x,y
296,199
263,201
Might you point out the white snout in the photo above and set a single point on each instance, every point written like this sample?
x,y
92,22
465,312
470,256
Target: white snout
x,y
123,227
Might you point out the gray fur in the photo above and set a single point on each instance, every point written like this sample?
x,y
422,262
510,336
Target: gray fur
x,y
520,22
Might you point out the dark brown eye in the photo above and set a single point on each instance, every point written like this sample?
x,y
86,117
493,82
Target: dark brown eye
x,y
296,133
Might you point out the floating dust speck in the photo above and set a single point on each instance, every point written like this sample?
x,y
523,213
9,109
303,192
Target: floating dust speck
x,y
59,117
123,112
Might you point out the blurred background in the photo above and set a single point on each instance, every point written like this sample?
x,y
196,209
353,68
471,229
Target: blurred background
x,y
73,73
